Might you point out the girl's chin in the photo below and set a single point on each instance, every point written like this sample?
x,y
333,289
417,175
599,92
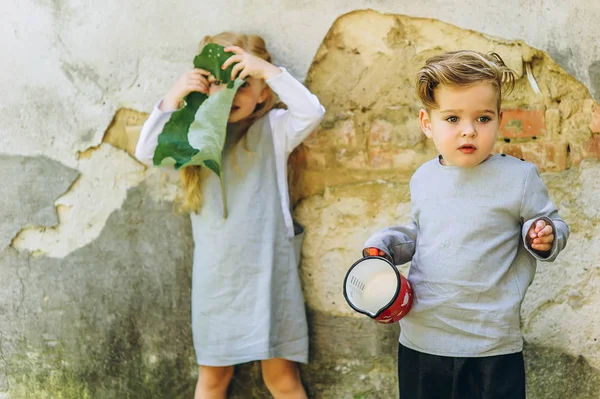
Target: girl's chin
x,y
235,117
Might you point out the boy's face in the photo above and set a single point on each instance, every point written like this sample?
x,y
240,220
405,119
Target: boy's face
x,y
465,124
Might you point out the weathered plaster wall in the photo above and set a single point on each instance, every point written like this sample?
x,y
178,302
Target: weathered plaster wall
x,y
351,177
95,265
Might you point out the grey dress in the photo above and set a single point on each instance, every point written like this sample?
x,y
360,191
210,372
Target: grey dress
x,y
247,302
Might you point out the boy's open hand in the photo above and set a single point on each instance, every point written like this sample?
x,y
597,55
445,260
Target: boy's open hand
x,y
540,236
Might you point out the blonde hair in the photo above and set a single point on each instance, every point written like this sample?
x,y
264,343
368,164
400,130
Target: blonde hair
x,y
462,68
190,196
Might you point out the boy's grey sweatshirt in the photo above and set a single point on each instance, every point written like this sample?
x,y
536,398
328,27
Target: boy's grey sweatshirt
x,y
470,263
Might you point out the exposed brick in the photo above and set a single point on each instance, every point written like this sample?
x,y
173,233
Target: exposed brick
x,y
316,159
595,123
351,159
553,122
510,149
548,156
380,133
405,159
344,133
591,148
521,123
380,159
318,138
305,157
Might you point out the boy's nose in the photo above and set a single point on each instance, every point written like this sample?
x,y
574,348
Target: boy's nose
x,y
469,131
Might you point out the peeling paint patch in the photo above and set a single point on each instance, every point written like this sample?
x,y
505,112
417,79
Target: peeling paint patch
x,y
83,211
124,130
29,191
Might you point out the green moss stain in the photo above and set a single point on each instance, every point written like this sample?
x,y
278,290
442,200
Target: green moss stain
x,y
123,365
552,374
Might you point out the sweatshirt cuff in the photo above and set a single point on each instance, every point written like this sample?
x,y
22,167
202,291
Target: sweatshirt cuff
x,y
553,251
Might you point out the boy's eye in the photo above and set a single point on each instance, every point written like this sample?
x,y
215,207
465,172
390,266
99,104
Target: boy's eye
x,y
216,83
245,84
452,119
484,119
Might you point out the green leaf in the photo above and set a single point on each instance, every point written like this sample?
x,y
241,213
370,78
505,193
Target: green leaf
x,y
173,147
211,59
208,131
195,134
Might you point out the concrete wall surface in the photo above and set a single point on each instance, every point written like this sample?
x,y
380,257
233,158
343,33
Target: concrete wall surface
x,y
95,265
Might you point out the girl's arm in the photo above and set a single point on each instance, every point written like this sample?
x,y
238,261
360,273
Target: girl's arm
x,y
192,80
303,115
144,150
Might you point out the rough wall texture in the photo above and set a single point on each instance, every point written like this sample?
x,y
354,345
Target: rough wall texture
x,y
95,265
350,177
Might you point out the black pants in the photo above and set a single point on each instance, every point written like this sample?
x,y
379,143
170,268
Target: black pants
x,y
424,376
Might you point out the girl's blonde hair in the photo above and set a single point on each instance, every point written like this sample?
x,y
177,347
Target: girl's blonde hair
x,y
462,68
190,196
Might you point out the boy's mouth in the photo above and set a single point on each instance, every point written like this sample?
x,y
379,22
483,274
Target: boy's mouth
x,y
467,148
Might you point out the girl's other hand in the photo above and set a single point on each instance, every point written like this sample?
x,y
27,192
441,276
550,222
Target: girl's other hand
x,y
249,65
193,80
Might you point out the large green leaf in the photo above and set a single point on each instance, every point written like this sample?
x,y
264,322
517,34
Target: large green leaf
x,y
195,134
212,58
173,146
208,131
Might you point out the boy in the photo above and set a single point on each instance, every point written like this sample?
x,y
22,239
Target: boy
x,y
479,223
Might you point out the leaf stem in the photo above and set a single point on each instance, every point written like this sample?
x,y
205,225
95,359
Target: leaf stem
x,y
223,195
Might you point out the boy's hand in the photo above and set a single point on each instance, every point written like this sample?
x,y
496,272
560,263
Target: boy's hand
x,y
372,251
540,236
249,65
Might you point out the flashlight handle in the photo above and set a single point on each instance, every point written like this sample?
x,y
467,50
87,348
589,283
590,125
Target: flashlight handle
x,y
372,251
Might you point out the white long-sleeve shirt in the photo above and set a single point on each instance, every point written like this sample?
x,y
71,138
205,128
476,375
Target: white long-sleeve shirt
x,y
290,127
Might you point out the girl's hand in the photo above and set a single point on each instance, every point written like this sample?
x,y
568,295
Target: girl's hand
x,y
249,65
540,236
194,80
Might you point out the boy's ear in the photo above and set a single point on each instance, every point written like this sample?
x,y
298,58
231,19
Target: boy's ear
x,y
425,122
500,114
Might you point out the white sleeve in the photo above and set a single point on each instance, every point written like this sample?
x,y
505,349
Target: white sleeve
x,y
304,113
144,150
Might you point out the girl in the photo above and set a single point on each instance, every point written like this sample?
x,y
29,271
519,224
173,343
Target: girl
x,y
247,302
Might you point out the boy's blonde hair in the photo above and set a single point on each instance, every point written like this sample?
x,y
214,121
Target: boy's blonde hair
x,y
190,196
462,68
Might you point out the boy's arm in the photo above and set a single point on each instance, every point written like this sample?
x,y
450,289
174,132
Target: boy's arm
x,y
536,205
399,242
